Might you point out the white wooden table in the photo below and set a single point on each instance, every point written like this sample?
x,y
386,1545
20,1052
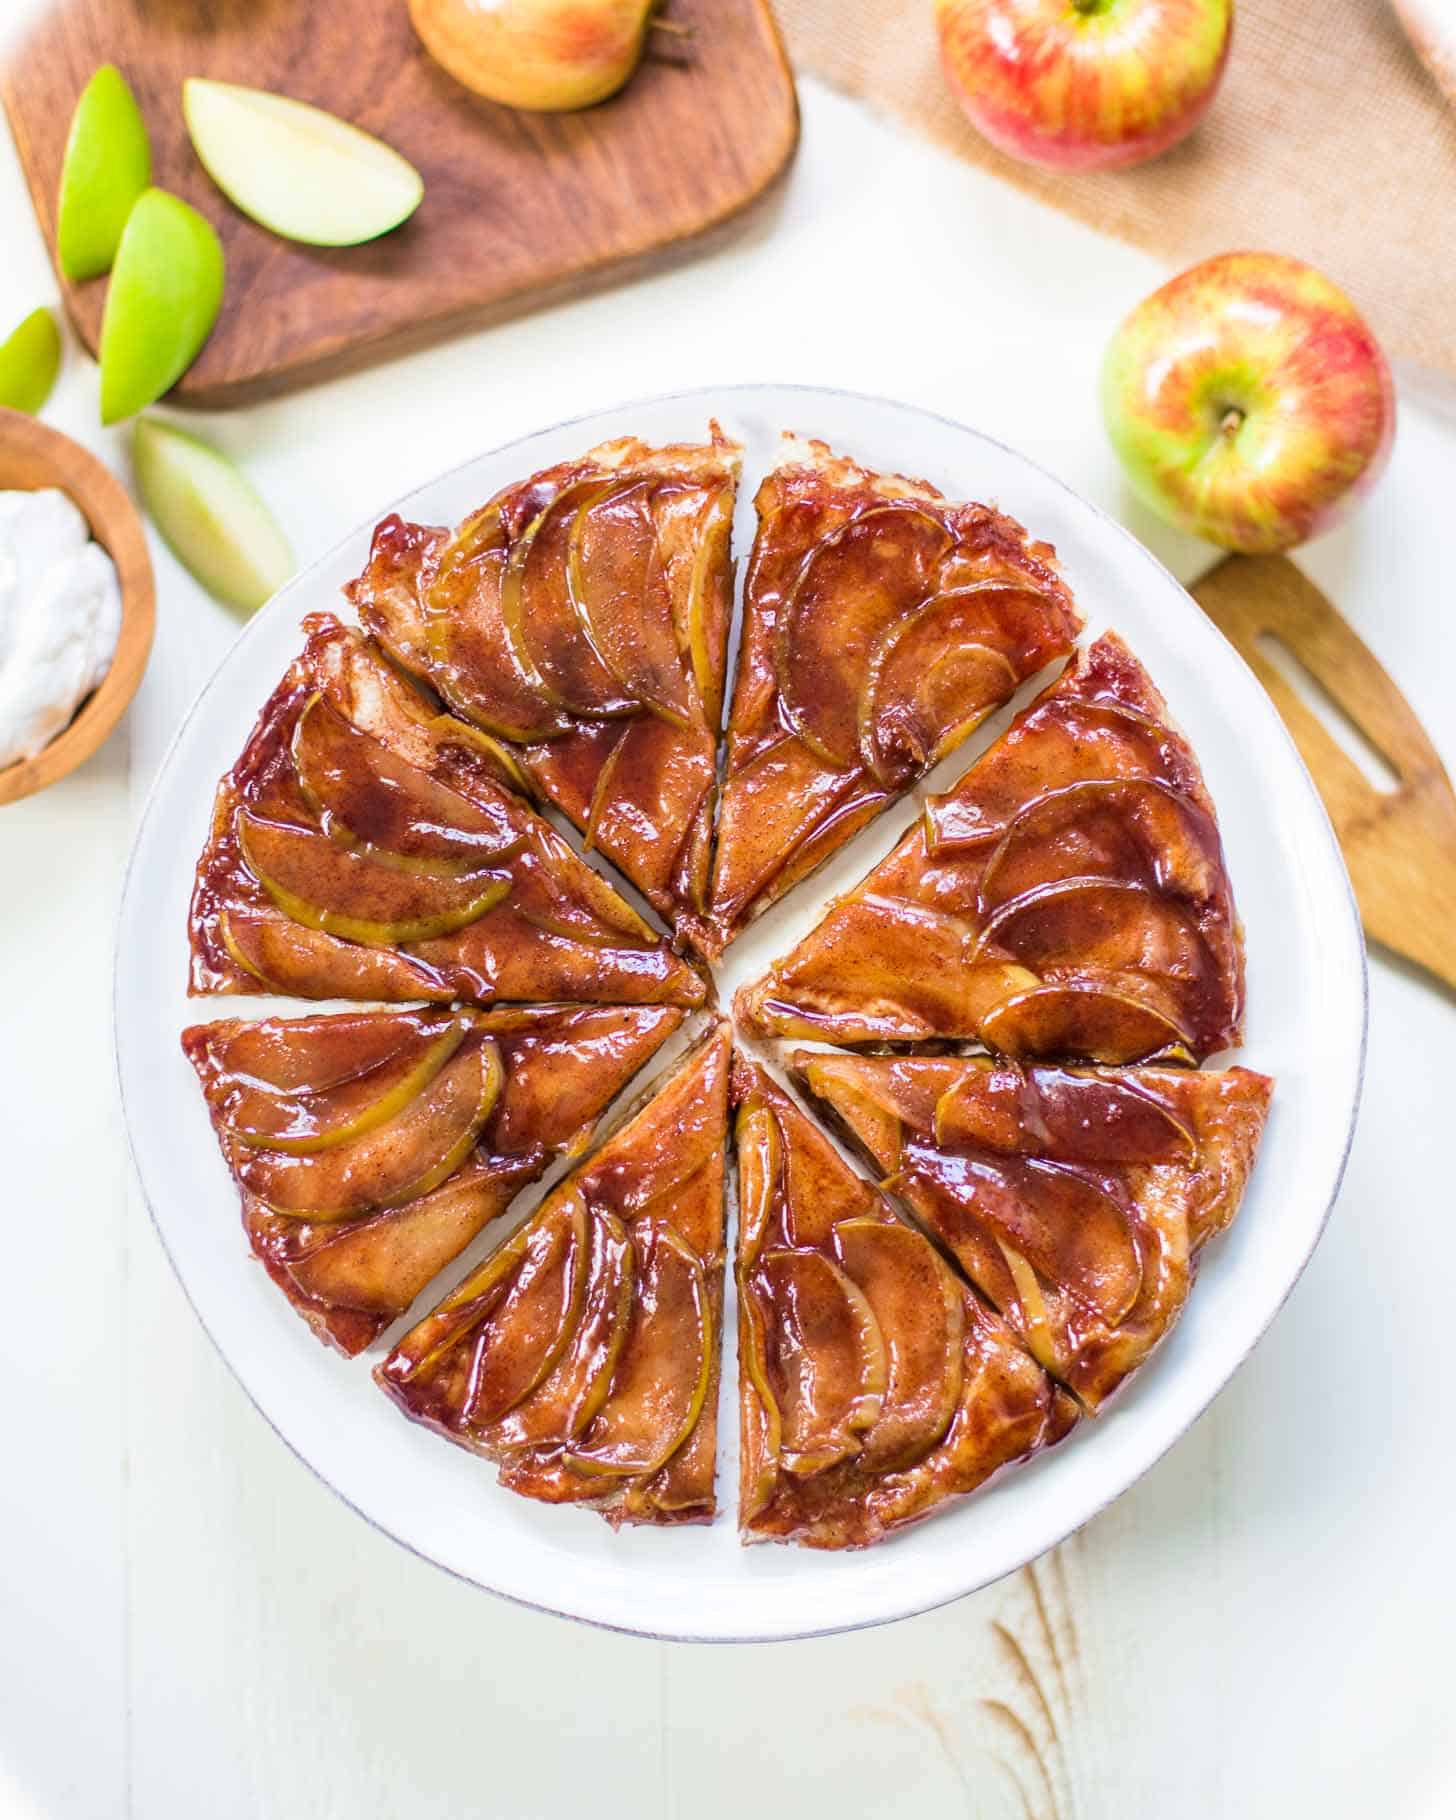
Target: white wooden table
x,y
190,1623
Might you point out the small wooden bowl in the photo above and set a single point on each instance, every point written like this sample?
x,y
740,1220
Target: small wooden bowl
x,y
33,456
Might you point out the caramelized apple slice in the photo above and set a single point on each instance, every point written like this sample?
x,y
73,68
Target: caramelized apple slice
x,y
536,1286
661,1381
499,1333
760,1165
618,588
367,798
395,1162
1090,1021
1049,1112
932,678
874,1119
1121,922
304,1122
1118,828
1068,1224
852,584
918,1308
570,1396
827,1368
470,654
549,641
317,883
286,957
312,1056
761,1428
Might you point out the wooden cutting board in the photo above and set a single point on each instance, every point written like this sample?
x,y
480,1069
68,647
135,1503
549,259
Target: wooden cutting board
x,y
518,207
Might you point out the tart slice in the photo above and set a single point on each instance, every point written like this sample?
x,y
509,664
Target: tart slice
x,y
882,624
583,1355
581,616
1076,1200
365,846
1067,900
371,1147
873,1385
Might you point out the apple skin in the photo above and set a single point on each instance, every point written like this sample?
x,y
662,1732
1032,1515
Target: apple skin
x,y
1249,402
549,56
1084,86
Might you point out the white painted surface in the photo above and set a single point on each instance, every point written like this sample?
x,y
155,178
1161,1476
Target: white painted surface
x,y
189,1622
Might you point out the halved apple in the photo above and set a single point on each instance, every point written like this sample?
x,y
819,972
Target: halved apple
x,y
617,584
368,799
760,1162
572,1393
854,583
302,1124
662,1377
209,515
1082,1020
164,297
295,169
826,1362
1051,1113
325,886
30,358
107,165
547,638
391,1163
920,1311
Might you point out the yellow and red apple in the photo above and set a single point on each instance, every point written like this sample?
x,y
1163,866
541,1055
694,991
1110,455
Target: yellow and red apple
x,y
1249,402
1084,84
549,56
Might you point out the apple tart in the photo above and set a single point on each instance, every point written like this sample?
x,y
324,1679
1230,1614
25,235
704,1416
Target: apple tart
x,y
1068,899
881,625
371,1147
1076,1200
873,1385
366,846
583,1356
581,616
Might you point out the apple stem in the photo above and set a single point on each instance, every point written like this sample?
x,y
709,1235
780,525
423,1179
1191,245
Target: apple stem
x,y
1231,422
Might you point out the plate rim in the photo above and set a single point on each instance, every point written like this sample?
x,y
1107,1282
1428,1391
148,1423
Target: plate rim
x,y
916,1604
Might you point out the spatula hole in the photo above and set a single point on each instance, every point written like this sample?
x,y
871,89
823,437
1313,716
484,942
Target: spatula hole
x,y
1369,761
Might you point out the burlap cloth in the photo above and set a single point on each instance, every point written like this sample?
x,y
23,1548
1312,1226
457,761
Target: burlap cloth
x,y
1328,139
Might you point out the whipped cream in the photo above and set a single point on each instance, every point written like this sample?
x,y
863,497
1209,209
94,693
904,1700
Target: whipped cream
x,y
60,617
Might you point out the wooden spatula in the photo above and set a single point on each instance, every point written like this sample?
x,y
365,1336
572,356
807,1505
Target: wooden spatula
x,y
1400,845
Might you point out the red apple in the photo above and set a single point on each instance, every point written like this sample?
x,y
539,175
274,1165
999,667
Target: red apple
x,y
1082,85
1249,402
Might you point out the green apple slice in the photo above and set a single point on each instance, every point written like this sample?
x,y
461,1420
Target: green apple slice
x,y
108,163
295,169
209,516
29,361
165,293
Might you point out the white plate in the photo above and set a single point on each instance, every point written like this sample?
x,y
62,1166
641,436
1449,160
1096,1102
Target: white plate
x,y
1306,1026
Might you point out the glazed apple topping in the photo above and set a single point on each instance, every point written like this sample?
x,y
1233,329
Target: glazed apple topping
x,y
873,1387
581,616
1076,1201
582,1356
1067,899
370,1147
881,625
366,845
